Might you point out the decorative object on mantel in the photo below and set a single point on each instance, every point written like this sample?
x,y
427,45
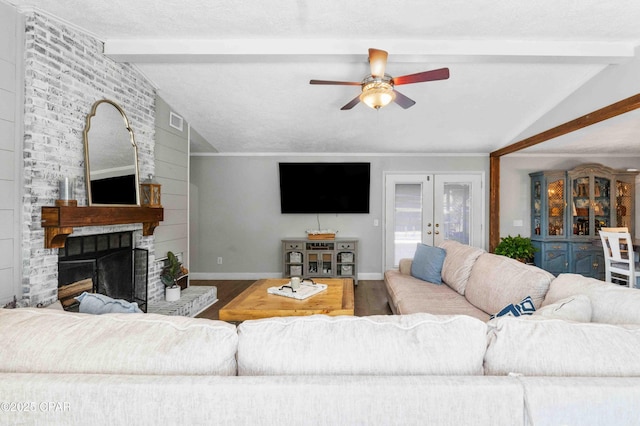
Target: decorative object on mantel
x,y
111,156
66,195
170,275
321,234
150,192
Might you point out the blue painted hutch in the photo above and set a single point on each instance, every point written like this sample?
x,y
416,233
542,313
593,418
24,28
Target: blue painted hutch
x,y
568,208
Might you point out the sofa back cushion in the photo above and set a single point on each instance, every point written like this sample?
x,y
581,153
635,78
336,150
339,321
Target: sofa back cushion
x,y
404,266
573,308
416,344
52,341
550,347
610,303
497,281
458,264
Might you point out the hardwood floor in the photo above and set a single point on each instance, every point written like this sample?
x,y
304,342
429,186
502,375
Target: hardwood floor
x,y
369,296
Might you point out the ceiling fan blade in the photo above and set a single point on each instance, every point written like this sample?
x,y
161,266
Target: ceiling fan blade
x,y
439,74
340,83
403,101
378,62
355,101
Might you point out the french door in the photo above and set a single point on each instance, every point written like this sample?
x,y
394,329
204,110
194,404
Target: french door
x,y
431,208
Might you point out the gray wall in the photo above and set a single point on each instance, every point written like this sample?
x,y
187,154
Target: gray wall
x,y
172,172
235,211
11,29
515,201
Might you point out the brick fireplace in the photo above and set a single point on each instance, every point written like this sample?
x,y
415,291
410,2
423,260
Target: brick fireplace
x,y
65,73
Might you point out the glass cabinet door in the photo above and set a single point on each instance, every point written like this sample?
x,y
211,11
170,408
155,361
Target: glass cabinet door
x,y
581,205
624,203
536,204
556,204
601,204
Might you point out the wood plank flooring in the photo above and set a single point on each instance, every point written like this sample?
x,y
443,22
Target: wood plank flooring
x,y
370,297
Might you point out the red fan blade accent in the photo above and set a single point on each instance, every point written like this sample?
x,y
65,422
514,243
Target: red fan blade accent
x,y
355,101
341,83
403,101
378,62
439,74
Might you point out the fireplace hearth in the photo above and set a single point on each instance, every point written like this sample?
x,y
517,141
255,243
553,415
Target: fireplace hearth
x,y
108,264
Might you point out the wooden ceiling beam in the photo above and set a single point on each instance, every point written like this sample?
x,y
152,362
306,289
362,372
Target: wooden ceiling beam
x,y
628,104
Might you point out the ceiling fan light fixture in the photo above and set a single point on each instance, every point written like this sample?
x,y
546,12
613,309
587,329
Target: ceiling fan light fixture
x,y
378,93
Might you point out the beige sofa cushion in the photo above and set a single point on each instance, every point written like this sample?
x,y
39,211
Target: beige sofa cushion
x,y
458,263
497,281
573,308
410,295
419,344
610,303
550,347
52,341
405,266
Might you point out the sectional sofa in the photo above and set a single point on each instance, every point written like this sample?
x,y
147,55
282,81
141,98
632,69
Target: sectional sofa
x,y
61,368
574,361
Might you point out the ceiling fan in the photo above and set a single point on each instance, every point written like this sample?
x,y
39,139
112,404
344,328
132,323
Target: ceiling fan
x,y
378,88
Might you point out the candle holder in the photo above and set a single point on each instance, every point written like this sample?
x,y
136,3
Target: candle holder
x,y
66,196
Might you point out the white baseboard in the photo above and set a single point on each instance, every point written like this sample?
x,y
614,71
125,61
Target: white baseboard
x,y
260,275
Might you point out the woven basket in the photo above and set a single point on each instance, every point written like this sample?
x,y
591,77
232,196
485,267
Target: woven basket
x,y
321,236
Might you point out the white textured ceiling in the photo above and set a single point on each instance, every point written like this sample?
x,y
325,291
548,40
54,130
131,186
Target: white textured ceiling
x,y
239,71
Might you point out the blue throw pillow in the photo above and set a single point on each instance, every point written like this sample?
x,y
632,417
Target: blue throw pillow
x,y
95,303
525,307
427,263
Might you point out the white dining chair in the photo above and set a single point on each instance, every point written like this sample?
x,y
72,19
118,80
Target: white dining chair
x,y
620,265
620,229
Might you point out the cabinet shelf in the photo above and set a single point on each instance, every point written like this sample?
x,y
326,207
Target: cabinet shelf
x,y
58,222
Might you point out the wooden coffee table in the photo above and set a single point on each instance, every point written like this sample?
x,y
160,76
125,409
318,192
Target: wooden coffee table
x,y
255,302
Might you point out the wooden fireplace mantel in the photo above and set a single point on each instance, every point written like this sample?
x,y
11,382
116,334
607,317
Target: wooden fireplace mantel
x,y
58,222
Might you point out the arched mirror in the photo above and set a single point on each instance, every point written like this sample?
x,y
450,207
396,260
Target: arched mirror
x,y
111,157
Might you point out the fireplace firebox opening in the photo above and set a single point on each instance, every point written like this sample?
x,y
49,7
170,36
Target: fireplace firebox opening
x,y
108,264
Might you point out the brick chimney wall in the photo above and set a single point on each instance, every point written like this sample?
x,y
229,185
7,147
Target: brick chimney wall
x,y
65,73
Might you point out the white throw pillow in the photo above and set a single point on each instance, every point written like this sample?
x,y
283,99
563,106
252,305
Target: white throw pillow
x,y
575,308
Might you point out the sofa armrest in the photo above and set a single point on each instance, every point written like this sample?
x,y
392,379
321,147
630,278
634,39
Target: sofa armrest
x,y
405,266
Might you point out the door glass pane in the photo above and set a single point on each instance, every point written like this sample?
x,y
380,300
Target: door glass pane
x,y
408,219
456,220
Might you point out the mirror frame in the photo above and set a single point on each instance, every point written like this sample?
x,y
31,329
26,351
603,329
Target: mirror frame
x,y
87,167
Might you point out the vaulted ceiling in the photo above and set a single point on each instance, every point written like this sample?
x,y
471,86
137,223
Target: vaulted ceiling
x,y
239,71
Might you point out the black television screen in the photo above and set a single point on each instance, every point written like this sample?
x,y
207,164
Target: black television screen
x,y
324,187
114,190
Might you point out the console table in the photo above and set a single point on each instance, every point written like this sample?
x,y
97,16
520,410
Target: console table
x,y
306,258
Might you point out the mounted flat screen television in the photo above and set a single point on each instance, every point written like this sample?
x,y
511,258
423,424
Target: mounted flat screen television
x,y
324,187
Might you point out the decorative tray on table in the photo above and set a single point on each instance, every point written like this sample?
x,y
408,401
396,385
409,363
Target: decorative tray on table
x,y
306,290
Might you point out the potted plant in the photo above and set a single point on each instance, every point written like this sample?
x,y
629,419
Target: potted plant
x,y
169,276
519,248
